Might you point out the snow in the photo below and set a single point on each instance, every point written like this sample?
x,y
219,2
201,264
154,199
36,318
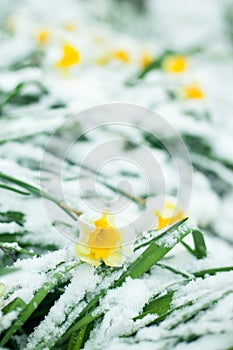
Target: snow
x,y
25,281
11,227
25,147
6,320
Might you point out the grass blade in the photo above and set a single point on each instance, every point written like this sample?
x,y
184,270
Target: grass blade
x,y
142,264
199,250
212,271
38,192
165,232
158,306
36,301
9,188
17,303
14,247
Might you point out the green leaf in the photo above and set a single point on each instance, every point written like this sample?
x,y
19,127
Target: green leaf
x,y
199,250
33,59
212,271
12,216
17,304
158,306
165,232
9,188
77,339
39,296
17,96
37,192
156,64
161,308
14,247
199,244
170,268
6,270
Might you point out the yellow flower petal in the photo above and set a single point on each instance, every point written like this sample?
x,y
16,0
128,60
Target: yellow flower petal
x,y
86,257
175,64
82,249
103,60
169,215
192,92
43,37
121,55
103,242
69,58
99,39
146,59
70,27
113,259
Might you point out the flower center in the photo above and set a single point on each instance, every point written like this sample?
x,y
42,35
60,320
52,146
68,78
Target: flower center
x,y
104,239
170,215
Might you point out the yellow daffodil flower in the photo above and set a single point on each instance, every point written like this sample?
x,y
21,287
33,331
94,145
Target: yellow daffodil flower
x,y
103,60
43,37
169,215
99,39
70,27
100,240
11,24
163,211
70,57
146,59
121,55
192,92
175,64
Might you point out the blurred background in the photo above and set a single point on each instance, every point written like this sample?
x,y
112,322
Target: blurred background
x,y
173,57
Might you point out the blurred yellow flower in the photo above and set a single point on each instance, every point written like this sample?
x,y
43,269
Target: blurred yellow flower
x,y
192,92
175,64
11,24
70,27
121,55
43,37
99,39
103,60
100,240
70,57
146,59
169,215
